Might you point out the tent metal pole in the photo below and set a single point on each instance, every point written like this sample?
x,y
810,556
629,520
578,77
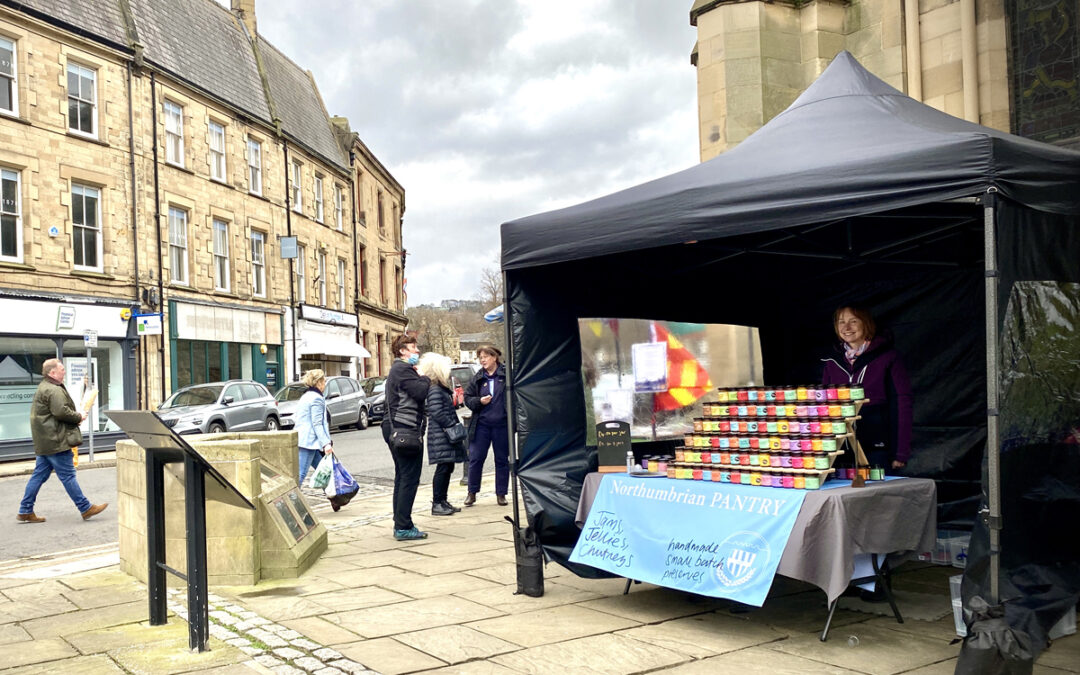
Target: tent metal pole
x,y
993,443
510,388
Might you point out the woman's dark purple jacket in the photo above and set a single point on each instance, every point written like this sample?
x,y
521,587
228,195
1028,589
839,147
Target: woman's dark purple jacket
x,y
882,374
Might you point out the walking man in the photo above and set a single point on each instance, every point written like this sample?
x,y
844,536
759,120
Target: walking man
x,y
54,425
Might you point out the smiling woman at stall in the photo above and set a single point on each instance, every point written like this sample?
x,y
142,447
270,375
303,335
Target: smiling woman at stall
x,y
863,356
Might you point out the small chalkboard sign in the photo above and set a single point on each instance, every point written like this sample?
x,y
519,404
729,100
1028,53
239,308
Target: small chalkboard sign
x,y
612,444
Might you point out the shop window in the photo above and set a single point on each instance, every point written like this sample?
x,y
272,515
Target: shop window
x,y
254,159
20,372
319,207
221,255
106,376
182,358
217,151
213,362
258,263
199,372
174,133
86,227
82,99
10,216
655,375
9,89
233,361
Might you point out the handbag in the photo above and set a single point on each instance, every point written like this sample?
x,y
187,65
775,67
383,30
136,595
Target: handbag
x,y
406,440
457,433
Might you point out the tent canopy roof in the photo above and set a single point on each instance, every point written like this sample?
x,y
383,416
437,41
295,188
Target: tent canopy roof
x,y
872,149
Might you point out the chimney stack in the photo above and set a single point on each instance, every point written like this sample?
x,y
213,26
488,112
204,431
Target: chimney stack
x,y
245,11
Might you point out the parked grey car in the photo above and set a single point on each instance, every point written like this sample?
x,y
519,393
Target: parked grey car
x,y
346,404
236,405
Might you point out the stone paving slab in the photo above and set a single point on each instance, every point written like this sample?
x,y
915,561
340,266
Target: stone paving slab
x,y
880,651
455,644
98,664
647,604
456,583
35,651
614,654
390,657
1063,654
125,635
704,635
459,563
172,656
473,668
11,632
357,598
504,598
757,661
409,616
86,619
23,610
555,624
105,596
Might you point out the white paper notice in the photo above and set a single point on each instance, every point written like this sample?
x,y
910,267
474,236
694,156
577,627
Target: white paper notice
x,y
650,366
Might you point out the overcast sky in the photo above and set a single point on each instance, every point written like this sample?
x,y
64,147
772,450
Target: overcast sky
x,y
491,110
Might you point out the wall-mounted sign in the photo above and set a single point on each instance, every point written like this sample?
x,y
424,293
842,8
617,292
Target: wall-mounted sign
x,y
89,339
54,231
65,317
288,247
327,315
148,324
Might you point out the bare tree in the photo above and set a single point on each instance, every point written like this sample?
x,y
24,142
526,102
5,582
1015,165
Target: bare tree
x,y
491,288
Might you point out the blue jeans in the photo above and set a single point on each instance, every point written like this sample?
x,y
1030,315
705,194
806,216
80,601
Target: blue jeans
x,y
64,467
309,459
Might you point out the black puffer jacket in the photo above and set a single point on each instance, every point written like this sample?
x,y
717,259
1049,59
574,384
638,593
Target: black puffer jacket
x,y
441,416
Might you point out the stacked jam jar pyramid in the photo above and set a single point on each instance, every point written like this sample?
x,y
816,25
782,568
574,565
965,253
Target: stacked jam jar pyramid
x,y
787,437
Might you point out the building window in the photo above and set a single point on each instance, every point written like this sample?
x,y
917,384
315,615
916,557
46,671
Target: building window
x,y
258,263
221,255
363,271
86,227
10,217
297,196
9,90
341,284
319,199
321,279
178,249
382,280
301,274
254,158
339,208
217,151
174,133
399,290
379,209
82,99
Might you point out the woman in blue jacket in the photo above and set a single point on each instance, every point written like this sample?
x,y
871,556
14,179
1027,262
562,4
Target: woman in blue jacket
x,y
485,396
312,429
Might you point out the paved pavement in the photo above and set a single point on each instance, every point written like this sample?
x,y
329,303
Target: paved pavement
x,y
447,605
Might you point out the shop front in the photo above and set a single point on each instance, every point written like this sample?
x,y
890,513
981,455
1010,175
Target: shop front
x,y
212,343
327,340
38,329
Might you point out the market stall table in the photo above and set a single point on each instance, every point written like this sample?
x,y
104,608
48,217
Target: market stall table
x,y
896,518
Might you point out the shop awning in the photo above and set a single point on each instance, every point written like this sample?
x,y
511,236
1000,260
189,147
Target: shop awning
x,y
324,344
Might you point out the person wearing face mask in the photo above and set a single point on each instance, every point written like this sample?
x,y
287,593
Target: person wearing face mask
x,y
485,396
865,357
406,391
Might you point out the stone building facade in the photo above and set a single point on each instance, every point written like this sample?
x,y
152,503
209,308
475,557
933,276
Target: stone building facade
x,y
1002,64
158,161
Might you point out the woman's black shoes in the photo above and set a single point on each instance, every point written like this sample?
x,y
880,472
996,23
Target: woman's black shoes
x,y
441,509
501,499
471,499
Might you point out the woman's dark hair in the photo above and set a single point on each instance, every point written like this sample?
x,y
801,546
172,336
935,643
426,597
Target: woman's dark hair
x,y
399,343
490,350
862,314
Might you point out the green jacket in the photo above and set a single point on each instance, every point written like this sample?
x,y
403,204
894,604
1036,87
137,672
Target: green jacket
x,y
54,420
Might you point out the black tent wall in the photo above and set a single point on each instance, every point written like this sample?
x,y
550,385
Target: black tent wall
x,y
848,196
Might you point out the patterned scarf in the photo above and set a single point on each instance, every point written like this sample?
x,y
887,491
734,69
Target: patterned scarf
x,y
852,354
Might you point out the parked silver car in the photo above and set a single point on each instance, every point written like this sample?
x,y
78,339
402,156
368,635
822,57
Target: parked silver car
x,y
346,404
236,405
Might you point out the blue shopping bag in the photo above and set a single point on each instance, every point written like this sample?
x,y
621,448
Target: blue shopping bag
x,y
344,485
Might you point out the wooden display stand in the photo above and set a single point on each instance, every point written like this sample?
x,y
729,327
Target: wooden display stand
x,y
862,464
612,444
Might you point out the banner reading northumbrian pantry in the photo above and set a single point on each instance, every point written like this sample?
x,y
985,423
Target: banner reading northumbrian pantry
x,y
712,539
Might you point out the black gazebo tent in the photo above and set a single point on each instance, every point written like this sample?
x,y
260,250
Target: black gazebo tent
x,y
964,240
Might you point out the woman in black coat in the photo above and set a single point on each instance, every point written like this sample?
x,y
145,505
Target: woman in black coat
x,y
440,413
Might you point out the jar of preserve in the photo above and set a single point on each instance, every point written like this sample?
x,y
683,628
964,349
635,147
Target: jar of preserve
x,y
857,392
